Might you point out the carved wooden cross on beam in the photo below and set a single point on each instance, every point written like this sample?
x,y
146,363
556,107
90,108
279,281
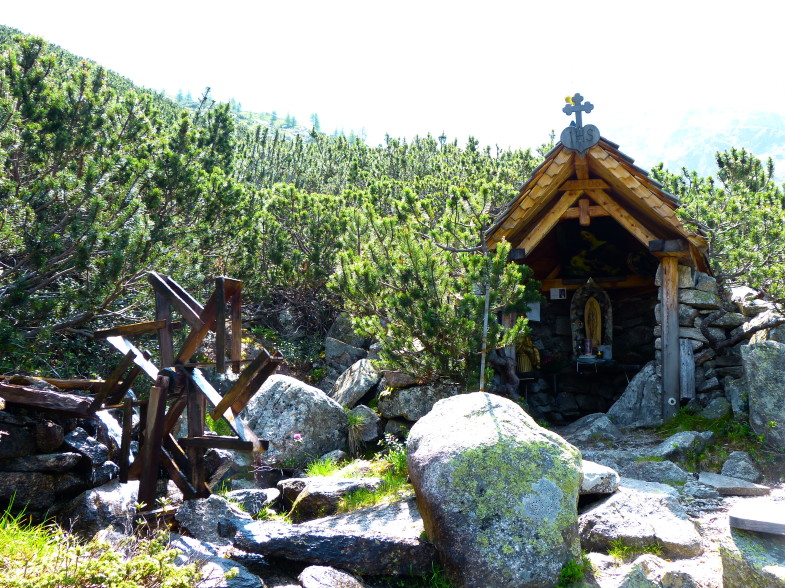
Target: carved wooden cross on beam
x,y
578,108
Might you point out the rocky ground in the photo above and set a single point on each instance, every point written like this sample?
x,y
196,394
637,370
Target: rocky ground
x,y
706,509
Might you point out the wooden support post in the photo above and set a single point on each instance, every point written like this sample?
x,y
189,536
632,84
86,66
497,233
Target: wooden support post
x,y
220,326
235,304
125,442
163,312
151,450
669,277
196,426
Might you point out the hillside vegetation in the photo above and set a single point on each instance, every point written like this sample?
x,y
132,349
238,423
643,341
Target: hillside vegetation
x,y
102,182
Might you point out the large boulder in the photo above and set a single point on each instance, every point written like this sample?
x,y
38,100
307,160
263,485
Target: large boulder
x,y
300,421
355,383
321,496
212,519
497,492
382,539
217,571
641,403
413,403
764,364
113,504
641,514
592,428
753,559
685,445
739,465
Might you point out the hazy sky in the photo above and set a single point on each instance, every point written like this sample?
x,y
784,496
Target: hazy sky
x,y
495,70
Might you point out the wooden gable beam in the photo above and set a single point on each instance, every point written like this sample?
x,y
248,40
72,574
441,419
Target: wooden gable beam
x,y
581,167
593,184
593,212
623,217
546,224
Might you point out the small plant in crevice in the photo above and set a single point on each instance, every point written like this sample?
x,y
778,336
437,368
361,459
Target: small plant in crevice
x,y
573,572
322,467
356,422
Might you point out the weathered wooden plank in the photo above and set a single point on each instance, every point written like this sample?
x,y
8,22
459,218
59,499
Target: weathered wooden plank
x,y
124,346
112,380
163,312
189,492
238,426
220,325
588,184
173,414
256,383
241,383
196,426
150,452
235,307
125,440
124,386
686,369
216,442
184,305
548,222
182,293
74,384
129,330
669,294
62,402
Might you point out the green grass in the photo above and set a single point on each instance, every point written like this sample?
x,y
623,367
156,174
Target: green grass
x,y
44,556
322,467
622,552
393,486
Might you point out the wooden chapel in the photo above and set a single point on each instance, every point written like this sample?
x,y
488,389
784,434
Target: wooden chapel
x,y
590,223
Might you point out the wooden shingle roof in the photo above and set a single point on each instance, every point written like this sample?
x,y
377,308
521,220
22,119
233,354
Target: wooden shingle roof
x,y
603,182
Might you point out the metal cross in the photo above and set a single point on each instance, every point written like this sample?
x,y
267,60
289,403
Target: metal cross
x,y
577,108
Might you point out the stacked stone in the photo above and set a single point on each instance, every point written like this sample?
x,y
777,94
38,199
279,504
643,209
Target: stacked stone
x,y
715,375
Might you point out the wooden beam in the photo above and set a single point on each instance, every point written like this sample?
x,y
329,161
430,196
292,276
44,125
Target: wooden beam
x,y
593,184
217,442
623,217
256,383
123,387
196,336
112,380
132,329
124,346
220,325
178,455
235,306
196,426
177,297
581,167
584,218
546,224
163,312
241,384
125,440
150,452
633,281
669,294
180,291
74,384
189,492
594,212
243,431
61,402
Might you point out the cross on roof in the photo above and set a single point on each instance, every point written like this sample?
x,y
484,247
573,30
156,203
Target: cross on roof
x,y
574,105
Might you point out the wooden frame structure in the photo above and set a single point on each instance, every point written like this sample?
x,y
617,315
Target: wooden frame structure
x,y
604,182
179,387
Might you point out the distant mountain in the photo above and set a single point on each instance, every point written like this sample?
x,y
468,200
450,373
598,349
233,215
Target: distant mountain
x,y
701,133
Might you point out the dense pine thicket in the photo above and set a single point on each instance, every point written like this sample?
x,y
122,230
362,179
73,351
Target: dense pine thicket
x,y
102,182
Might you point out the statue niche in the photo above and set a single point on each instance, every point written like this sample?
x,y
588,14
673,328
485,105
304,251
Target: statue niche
x,y
591,317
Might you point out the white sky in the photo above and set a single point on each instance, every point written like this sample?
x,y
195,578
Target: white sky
x,y
496,70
